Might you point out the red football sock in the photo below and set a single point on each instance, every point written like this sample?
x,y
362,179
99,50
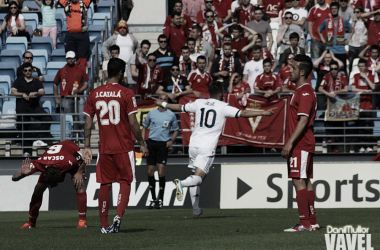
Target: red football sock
x,y
104,204
123,198
34,208
313,217
82,205
303,207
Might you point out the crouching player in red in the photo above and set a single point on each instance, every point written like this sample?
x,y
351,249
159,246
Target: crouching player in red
x,y
54,163
300,148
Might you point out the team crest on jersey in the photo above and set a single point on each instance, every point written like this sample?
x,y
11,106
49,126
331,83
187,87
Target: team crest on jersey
x,y
199,80
134,102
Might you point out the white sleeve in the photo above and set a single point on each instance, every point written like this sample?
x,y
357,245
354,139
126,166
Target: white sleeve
x,y
21,17
190,107
245,72
231,111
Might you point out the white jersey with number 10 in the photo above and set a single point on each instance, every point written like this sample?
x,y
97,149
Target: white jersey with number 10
x,y
210,115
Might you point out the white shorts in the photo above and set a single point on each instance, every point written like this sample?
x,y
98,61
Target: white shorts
x,y
201,158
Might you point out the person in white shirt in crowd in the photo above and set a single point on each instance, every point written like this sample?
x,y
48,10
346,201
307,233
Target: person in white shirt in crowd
x,y
115,52
253,68
359,38
299,14
345,11
143,58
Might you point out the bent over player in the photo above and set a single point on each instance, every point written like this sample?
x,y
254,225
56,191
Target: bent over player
x,y
210,116
116,108
54,163
300,148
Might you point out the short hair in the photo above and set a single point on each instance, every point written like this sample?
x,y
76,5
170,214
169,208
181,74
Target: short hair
x,y
161,37
209,11
294,35
363,61
256,9
334,63
23,55
115,65
336,4
374,47
201,57
52,176
152,54
256,47
184,47
305,64
288,13
360,8
237,27
115,47
267,60
177,1
215,88
198,28
145,42
227,44
190,39
175,65
175,13
27,65
227,36
259,36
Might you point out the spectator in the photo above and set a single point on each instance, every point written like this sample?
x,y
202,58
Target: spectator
x,y
227,38
317,15
281,13
246,13
345,11
265,53
143,57
334,39
225,65
293,48
261,28
175,34
77,38
373,26
284,72
175,85
364,82
240,89
115,52
200,79
373,60
299,14
192,7
150,76
49,24
201,17
271,7
165,56
210,27
30,89
267,83
236,4
73,80
15,22
359,38
27,57
223,8
253,68
356,3
160,121
186,65
185,20
200,47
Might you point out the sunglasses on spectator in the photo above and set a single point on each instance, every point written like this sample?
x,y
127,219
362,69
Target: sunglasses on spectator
x,y
151,60
28,70
209,16
122,27
29,57
288,1
289,17
208,1
334,69
290,57
356,12
344,1
163,41
13,8
175,69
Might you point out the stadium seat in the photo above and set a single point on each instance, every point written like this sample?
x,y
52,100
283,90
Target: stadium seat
x,y
31,19
61,12
8,69
95,30
17,43
48,86
60,43
56,127
6,79
43,43
8,117
58,55
99,19
60,21
53,67
31,4
30,30
63,31
14,56
376,130
5,88
104,6
40,55
40,66
2,99
46,105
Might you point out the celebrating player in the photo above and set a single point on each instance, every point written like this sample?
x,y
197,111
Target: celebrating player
x,y
210,116
54,163
300,148
116,108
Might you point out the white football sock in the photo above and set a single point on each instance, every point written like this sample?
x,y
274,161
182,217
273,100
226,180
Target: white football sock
x,y
192,180
194,195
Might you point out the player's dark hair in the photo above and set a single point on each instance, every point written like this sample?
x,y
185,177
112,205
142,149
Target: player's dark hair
x,y
115,47
288,13
362,61
209,11
175,13
198,28
151,54
262,11
374,47
237,27
215,88
334,63
190,39
145,42
267,60
294,35
115,65
52,176
256,47
161,37
27,65
359,8
184,47
305,64
201,57
227,36
336,4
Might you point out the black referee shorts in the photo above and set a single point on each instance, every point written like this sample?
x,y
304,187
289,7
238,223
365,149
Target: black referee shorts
x,y
158,152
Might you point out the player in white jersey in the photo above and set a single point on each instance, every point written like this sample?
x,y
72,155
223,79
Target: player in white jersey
x,y
210,117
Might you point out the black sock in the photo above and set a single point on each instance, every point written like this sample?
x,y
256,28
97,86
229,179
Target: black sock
x,y
162,181
152,186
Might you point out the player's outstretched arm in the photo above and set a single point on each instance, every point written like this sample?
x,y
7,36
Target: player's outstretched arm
x,y
135,127
253,113
297,132
174,107
25,170
87,153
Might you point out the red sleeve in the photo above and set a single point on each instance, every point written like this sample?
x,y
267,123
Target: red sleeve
x,y
305,103
63,2
270,55
257,83
168,20
368,24
278,83
189,23
87,2
324,81
160,76
200,17
84,75
209,79
167,31
58,75
131,102
190,78
345,81
35,166
310,18
89,109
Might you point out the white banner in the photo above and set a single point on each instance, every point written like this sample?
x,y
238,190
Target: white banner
x,y
337,185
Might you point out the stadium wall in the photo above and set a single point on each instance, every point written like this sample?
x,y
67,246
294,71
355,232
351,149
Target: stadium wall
x,y
140,16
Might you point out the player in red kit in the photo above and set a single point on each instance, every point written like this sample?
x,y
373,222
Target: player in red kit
x,y
116,108
300,148
59,159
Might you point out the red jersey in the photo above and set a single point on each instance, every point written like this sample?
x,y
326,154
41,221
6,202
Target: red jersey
x,y
239,45
330,84
373,4
199,82
222,7
267,82
177,38
291,85
361,83
74,20
355,3
374,32
246,14
303,102
284,73
272,7
317,16
70,77
156,77
112,103
185,22
63,155
243,86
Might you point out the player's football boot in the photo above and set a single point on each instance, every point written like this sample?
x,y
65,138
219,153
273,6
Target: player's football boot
x,y
158,204
82,224
197,216
114,228
179,192
314,227
105,230
297,228
152,204
28,225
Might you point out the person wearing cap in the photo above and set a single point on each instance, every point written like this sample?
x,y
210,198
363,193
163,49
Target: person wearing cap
x,y
77,38
72,80
127,43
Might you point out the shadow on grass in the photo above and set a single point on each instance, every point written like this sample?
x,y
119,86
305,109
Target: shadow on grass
x,y
135,230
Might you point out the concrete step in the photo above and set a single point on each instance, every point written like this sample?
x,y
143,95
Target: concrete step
x,y
151,36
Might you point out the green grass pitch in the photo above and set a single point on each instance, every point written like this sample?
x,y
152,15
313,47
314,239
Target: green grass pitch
x,y
176,229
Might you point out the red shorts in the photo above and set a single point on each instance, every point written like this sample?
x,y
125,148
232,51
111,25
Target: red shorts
x,y
116,167
300,164
71,171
